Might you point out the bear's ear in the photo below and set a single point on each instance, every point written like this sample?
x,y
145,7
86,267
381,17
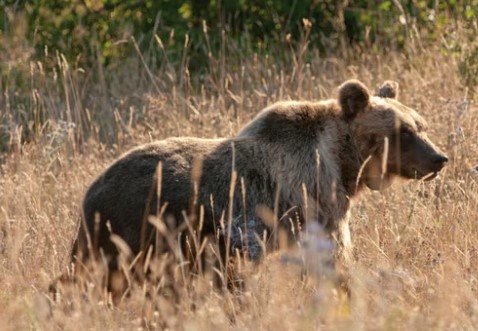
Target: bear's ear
x,y
354,97
389,89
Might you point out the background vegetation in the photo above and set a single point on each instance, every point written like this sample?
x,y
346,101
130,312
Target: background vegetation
x,y
52,45
83,81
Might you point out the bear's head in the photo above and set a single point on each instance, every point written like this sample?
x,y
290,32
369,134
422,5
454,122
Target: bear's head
x,y
391,137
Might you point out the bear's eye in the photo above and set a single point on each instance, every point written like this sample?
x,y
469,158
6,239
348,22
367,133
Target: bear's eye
x,y
406,131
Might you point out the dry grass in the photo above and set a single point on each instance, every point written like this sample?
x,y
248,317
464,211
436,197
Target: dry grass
x,y
415,245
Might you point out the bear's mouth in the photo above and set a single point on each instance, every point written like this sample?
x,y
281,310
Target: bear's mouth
x,y
430,176
425,176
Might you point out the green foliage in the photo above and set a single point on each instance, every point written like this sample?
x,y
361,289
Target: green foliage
x,y
88,31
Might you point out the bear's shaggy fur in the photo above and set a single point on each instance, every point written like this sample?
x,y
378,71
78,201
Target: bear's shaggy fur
x,y
296,162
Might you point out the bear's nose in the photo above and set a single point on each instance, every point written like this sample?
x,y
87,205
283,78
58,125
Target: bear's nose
x,y
440,159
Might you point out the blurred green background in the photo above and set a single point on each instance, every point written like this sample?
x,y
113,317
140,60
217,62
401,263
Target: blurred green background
x,y
88,30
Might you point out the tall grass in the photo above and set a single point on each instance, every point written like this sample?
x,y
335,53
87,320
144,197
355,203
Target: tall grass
x,y
415,257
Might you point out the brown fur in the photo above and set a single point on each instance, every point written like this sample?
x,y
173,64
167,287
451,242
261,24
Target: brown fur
x,y
278,155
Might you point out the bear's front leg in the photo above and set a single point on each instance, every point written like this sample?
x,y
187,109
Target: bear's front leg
x,y
344,254
344,241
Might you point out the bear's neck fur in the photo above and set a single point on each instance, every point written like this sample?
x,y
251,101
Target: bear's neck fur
x,y
351,162
326,145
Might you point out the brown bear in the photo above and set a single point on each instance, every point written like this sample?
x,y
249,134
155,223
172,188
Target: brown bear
x,y
295,162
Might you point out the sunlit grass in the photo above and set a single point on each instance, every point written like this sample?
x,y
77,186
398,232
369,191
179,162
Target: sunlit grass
x,y
416,255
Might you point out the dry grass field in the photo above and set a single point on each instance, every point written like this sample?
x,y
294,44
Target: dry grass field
x,y
416,245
